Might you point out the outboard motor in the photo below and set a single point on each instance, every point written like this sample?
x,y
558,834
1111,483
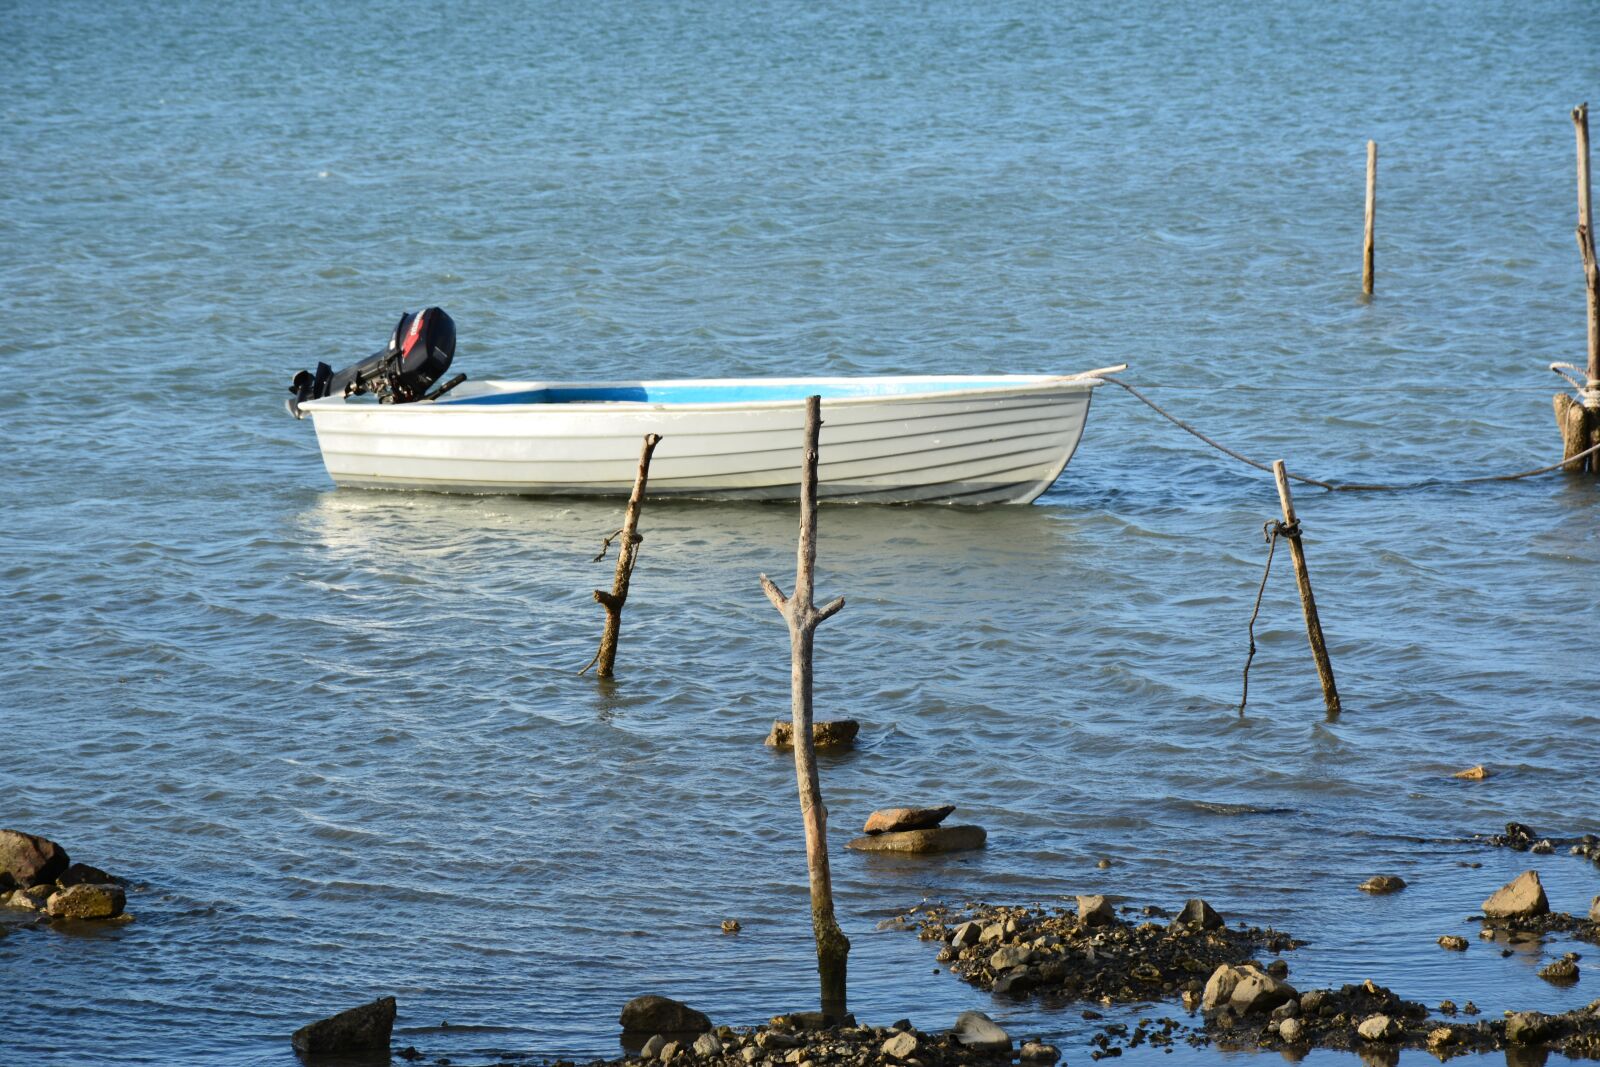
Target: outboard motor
x,y
418,354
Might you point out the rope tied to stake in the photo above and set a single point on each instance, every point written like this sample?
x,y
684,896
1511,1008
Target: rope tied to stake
x,y
1271,530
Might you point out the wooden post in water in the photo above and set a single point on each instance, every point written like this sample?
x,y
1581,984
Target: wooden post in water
x,y
803,617
1591,277
627,553
1372,210
1319,647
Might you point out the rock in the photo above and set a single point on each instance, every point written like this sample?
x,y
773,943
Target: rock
x,y
1039,1052
31,860
888,820
980,1033
1474,774
968,933
1198,915
1095,911
731,926
1543,848
357,1030
750,1054
835,733
19,898
901,1046
936,839
1561,972
651,1014
1009,956
1453,943
1441,1037
86,901
83,874
653,1047
1521,897
1383,883
706,1045
1527,1027
992,934
1379,1028
1290,1030
669,1051
1594,910
1244,990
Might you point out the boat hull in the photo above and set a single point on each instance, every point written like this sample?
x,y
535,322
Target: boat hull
x,y
963,446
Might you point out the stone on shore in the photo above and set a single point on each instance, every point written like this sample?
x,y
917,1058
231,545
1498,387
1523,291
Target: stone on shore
x,y
1379,1028
1095,910
1527,1027
707,1044
1383,883
357,1030
86,901
30,860
1594,910
651,1014
1522,897
968,933
1290,1029
1198,915
889,820
901,1046
936,839
832,734
980,1033
1244,989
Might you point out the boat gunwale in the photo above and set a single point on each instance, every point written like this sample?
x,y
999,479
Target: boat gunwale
x,y
1023,385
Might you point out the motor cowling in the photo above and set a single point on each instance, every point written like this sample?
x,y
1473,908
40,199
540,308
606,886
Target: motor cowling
x,y
418,353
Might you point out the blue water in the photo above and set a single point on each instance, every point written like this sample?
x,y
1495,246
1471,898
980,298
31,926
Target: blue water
x,y
337,739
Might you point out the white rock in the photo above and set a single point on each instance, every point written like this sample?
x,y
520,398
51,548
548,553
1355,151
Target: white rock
x,y
977,1031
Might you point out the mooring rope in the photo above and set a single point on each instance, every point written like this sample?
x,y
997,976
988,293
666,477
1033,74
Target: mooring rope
x,y
1347,487
1271,530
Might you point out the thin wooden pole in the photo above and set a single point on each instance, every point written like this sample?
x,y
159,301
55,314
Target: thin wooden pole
x,y
1591,271
613,601
1372,210
803,617
1302,577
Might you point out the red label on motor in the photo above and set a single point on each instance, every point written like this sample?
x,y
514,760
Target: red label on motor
x,y
413,333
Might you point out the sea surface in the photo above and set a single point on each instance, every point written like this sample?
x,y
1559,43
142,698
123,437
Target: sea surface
x,y
337,739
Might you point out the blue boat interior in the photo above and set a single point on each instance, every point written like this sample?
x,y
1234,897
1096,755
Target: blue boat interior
x,y
729,392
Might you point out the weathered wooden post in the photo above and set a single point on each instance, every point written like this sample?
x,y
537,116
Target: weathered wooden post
x,y
1372,205
627,554
803,618
1302,577
1591,277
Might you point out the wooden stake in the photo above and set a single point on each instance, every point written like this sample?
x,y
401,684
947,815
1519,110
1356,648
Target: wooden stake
x,y
626,554
1573,423
1319,648
1372,205
803,617
1591,271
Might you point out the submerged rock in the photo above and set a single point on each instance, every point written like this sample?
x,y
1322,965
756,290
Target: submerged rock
x,y
1383,883
86,901
1521,897
1037,1052
357,1030
29,860
889,820
936,839
834,733
651,1014
1453,943
1561,972
1473,774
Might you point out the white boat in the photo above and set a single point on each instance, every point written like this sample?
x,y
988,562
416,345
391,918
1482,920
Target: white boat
x,y
934,438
